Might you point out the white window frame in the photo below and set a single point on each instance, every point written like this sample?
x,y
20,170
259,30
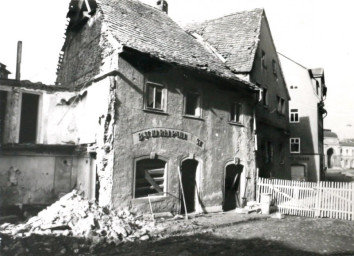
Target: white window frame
x,y
293,112
295,141
154,86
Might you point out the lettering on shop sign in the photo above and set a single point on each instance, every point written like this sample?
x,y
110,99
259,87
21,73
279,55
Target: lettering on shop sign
x,y
166,133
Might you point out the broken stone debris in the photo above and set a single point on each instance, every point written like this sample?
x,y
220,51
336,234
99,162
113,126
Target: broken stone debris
x,y
72,215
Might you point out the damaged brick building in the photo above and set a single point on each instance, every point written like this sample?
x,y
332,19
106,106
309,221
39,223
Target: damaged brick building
x,y
142,113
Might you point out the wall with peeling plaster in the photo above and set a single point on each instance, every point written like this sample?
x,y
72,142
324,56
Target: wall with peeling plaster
x,y
223,141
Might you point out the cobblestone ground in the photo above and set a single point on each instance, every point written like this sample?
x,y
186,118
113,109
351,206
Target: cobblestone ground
x,y
275,237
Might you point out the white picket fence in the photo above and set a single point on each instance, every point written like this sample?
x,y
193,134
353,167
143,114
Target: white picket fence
x,y
310,199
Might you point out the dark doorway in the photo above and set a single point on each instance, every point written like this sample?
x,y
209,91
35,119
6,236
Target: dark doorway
x,y
330,152
3,101
188,173
232,187
29,118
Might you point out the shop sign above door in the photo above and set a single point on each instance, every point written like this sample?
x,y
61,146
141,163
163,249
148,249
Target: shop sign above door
x,y
154,133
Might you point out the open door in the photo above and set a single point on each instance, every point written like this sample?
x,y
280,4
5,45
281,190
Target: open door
x,y
232,187
189,184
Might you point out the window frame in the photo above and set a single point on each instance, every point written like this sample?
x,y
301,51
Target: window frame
x,y
296,114
165,183
265,97
163,102
199,105
39,116
274,67
236,112
299,145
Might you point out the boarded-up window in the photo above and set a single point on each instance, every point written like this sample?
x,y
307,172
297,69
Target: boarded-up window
x,y
29,118
149,177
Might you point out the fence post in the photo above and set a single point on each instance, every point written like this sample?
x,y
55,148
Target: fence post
x,y
318,200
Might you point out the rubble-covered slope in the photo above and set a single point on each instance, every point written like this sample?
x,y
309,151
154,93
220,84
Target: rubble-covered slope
x,y
75,216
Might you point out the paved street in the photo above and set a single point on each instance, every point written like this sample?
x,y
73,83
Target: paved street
x,y
289,236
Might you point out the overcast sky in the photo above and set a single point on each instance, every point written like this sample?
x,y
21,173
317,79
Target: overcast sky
x,y
315,33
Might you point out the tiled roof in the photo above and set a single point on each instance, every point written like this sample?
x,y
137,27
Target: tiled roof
x,y
234,36
146,29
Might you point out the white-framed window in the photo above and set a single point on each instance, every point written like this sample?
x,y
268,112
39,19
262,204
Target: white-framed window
x,y
294,145
236,113
155,97
294,115
192,104
150,177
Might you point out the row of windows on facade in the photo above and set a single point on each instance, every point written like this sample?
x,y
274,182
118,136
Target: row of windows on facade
x,y
268,149
156,100
264,64
281,107
347,152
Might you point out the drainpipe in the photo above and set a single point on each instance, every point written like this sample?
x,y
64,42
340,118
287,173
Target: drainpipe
x,y
18,63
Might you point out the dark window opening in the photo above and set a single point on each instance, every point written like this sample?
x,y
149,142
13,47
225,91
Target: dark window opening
x,y
236,113
263,60
3,101
193,104
265,96
274,65
29,118
149,177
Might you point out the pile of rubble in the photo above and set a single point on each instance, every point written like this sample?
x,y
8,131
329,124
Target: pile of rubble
x,y
75,216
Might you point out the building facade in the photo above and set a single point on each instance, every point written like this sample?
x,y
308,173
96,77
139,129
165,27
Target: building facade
x,y
306,112
245,43
338,153
141,113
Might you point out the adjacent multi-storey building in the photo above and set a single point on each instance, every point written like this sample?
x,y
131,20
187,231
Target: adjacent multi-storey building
x,y
306,112
246,46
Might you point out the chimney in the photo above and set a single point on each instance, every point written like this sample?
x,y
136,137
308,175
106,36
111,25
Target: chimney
x,y
162,5
19,57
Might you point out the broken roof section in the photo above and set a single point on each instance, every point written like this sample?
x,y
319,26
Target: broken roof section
x,y
148,30
234,36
